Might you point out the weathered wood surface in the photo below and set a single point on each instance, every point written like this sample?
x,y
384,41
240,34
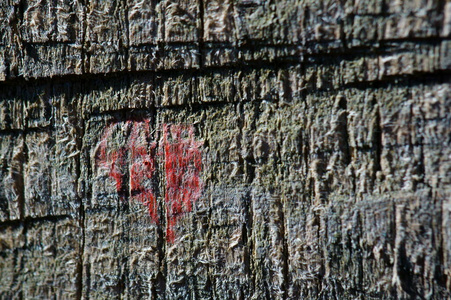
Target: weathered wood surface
x,y
248,149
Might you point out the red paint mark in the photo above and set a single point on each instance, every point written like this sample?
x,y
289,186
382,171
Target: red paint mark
x,y
142,168
140,172
113,160
182,162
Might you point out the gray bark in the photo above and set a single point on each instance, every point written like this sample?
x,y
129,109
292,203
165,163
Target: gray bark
x,y
313,160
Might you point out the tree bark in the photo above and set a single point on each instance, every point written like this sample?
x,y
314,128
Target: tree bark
x,y
248,149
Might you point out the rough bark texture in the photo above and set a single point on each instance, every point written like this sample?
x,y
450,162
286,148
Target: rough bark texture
x,y
233,149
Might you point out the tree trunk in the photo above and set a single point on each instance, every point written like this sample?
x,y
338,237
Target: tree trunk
x,y
248,149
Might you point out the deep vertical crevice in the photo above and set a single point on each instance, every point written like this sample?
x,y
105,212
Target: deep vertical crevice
x,y
80,131
358,255
248,164
439,274
159,286
22,261
377,141
20,177
22,194
210,281
247,232
285,252
192,278
23,158
341,110
84,194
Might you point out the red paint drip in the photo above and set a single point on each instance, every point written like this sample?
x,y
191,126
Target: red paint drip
x,y
183,165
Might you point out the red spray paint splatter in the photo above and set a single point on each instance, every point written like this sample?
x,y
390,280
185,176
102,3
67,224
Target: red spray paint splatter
x,y
142,167
182,163
141,170
113,160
